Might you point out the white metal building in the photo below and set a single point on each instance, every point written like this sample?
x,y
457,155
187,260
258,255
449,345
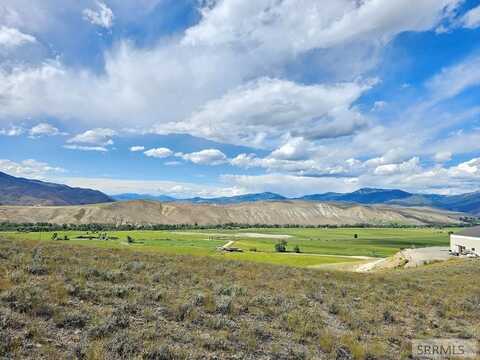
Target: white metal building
x,y
466,242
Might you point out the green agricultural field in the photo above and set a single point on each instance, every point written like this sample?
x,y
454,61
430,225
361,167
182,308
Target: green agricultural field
x,y
374,242
317,246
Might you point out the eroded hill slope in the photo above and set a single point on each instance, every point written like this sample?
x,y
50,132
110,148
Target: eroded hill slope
x,y
271,213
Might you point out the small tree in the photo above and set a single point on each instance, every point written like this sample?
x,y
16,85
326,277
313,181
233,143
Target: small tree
x,y
130,240
281,246
355,236
54,236
297,249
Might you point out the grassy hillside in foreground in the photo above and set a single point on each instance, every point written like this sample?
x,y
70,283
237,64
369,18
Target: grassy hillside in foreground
x,y
380,242
61,301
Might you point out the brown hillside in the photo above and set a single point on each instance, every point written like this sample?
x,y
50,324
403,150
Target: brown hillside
x,y
284,212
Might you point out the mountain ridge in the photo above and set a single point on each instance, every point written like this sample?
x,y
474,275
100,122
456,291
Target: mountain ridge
x,y
22,191
468,202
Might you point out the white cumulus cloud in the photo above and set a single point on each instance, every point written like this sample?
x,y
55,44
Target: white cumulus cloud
x,y
12,131
137,148
443,156
28,168
205,157
100,136
11,37
159,153
101,16
471,19
261,112
44,129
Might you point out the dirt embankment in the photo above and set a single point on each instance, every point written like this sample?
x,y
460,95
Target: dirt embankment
x,y
408,258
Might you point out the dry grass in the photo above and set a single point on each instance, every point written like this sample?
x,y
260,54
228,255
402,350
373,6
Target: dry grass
x,y
60,301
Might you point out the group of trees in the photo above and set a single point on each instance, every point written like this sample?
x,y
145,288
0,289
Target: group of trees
x,y
56,237
281,247
47,227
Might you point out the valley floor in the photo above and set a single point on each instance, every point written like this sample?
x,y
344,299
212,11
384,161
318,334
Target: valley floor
x,y
316,246
59,300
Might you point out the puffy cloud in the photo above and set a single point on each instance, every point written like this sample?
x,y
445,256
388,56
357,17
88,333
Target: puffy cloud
x,y
296,26
458,143
28,168
101,16
245,160
208,70
99,136
92,140
11,37
468,168
205,157
393,155
261,112
137,148
12,131
293,149
471,19
443,156
44,129
229,79
129,83
455,79
408,175
410,166
290,185
159,153
172,188
307,167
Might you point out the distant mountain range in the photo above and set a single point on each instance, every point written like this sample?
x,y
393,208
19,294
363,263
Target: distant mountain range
x,y
362,196
469,203
20,191
266,196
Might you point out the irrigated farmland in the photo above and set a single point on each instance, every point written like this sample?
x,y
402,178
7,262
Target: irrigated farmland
x,y
304,246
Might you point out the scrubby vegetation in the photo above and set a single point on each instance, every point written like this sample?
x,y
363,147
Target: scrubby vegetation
x,y
63,301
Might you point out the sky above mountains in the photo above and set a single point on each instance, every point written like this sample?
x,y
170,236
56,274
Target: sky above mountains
x,y
225,97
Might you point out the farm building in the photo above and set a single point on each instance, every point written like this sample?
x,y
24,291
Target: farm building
x,y
466,242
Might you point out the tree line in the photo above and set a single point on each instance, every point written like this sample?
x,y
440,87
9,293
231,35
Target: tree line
x,y
48,227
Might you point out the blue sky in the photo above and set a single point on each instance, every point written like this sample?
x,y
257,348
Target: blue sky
x,y
224,97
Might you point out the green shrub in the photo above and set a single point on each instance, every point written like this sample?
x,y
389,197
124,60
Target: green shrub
x,y
281,246
75,320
